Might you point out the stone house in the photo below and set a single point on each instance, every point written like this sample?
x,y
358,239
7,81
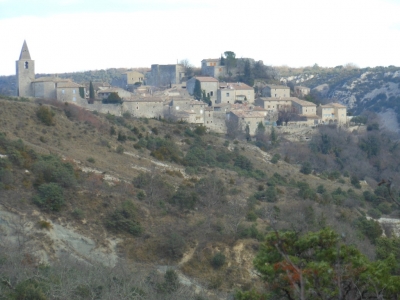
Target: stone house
x,y
301,91
123,94
193,109
249,118
275,91
212,67
148,107
165,75
70,91
231,92
332,113
132,79
304,108
209,84
272,105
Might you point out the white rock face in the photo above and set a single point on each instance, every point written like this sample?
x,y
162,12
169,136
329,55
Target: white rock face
x,y
393,224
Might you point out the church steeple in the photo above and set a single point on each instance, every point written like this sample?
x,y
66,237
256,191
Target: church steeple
x,y
25,52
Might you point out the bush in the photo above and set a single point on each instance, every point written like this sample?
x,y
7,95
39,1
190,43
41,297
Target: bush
x,y
384,208
91,160
50,197
305,191
218,260
174,245
374,213
355,182
44,225
275,158
78,213
306,168
251,216
45,115
124,219
50,168
370,228
120,149
321,189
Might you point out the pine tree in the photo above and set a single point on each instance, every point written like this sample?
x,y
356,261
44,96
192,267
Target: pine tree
x,y
197,90
91,91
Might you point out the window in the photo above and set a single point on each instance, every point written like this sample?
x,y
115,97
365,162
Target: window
x,y
211,93
26,65
62,91
227,94
73,91
74,99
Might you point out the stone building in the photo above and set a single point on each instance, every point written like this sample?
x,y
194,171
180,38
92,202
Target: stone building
x,y
212,67
275,91
132,79
232,92
304,108
43,87
332,113
301,91
123,94
70,91
244,118
193,110
208,84
148,107
165,75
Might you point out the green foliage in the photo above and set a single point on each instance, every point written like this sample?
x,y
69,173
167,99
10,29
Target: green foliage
x,y
197,90
91,160
50,168
321,266
370,145
124,219
112,130
385,247
185,197
355,182
46,115
30,289
321,189
200,130
120,149
374,213
113,98
360,119
174,245
306,168
305,191
269,195
276,158
50,197
170,284
218,260
91,91
243,162
121,137
370,228
277,179
250,232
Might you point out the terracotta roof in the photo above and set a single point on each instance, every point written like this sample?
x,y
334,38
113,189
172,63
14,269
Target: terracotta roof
x,y
303,103
51,79
206,79
68,84
238,86
248,114
275,86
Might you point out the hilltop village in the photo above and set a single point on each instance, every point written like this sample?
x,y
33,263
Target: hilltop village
x,y
165,92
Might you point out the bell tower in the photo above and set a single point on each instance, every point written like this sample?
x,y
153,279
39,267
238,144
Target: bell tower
x,y
25,69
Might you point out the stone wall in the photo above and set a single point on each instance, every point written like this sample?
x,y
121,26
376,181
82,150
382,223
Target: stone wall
x,y
25,70
45,89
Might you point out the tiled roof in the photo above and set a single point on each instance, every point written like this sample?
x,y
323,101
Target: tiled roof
x,y
68,84
278,99
275,86
247,114
238,86
212,59
206,79
303,103
338,105
51,79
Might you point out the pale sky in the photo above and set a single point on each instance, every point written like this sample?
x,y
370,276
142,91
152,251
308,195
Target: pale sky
x,y
78,35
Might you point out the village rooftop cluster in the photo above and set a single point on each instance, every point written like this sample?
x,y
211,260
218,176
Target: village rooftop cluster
x,y
163,93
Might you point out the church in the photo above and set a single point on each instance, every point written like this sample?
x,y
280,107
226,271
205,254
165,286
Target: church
x,y
49,87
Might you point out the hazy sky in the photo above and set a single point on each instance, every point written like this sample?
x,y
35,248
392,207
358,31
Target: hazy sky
x,y
77,35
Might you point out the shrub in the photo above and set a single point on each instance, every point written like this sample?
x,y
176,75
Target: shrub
x,y
124,219
251,216
45,225
174,245
120,149
50,168
154,130
321,189
121,137
355,182
200,130
78,213
185,197
276,158
384,208
91,160
50,197
306,168
218,260
370,228
305,191
374,213
45,115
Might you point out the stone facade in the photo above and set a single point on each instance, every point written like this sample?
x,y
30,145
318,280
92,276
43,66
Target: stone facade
x,y
208,84
276,91
304,108
235,91
247,118
164,75
212,67
301,91
25,70
70,92
332,113
149,107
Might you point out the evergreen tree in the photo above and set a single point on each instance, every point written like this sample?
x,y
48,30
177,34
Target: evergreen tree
x,y
248,78
247,130
197,90
91,91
